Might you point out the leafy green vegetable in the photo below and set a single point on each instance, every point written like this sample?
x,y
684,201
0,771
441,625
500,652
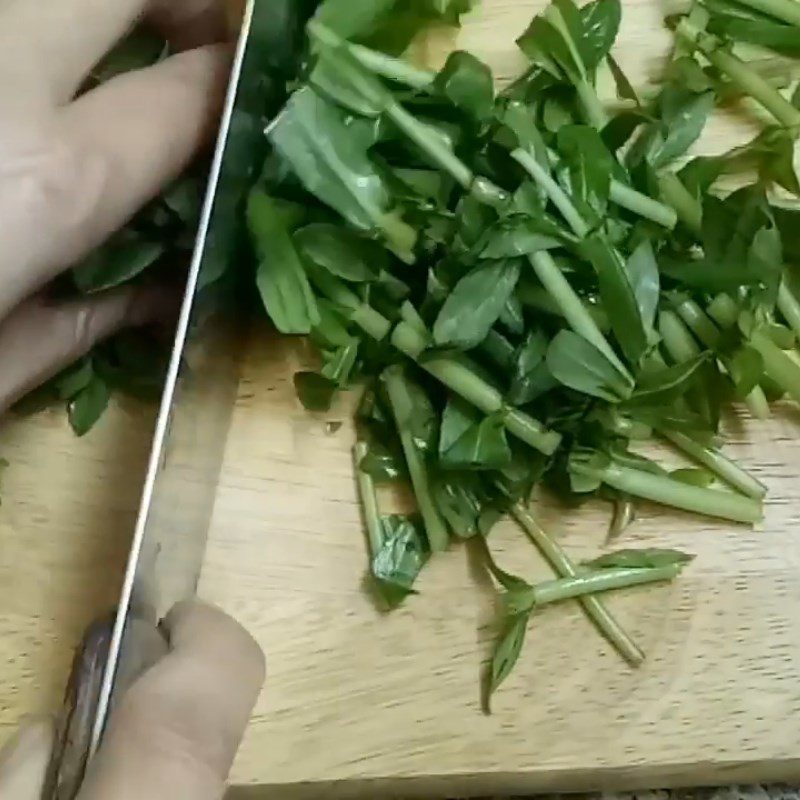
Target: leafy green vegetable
x,y
578,364
281,279
88,404
467,83
314,391
475,304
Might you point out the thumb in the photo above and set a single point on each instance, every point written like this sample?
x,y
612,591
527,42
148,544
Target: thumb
x,y
24,760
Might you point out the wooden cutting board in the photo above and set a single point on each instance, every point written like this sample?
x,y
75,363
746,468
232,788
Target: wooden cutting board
x,y
389,705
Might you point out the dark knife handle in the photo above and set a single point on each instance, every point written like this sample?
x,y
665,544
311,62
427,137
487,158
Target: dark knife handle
x,y
142,646
73,736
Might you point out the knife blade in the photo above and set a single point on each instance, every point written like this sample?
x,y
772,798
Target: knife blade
x,y
179,489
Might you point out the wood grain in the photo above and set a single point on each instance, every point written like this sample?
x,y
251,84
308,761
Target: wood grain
x,y
359,704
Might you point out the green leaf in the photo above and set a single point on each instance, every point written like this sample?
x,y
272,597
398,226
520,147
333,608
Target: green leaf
x,y
600,20
651,558
315,391
402,556
746,368
329,82
643,275
467,82
578,364
468,440
311,136
530,377
757,30
382,464
124,257
280,276
666,385
461,500
518,236
507,650
342,252
590,168
74,379
88,405
693,476
684,116
617,295
475,304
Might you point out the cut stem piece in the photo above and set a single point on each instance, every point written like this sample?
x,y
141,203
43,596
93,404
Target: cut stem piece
x,y
573,309
786,10
369,500
458,377
644,206
678,197
670,492
587,584
789,307
720,465
564,567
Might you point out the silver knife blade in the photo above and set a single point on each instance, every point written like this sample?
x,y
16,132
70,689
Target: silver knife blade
x,y
177,500
171,530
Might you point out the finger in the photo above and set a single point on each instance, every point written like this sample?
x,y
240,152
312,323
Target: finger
x,y
59,48
24,760
175,733
192,23
39,339
111,152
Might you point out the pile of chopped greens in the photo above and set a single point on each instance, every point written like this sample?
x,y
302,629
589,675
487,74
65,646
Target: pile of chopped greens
x,y
526,286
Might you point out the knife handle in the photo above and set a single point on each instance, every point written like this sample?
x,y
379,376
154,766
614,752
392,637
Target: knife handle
x,y
143,644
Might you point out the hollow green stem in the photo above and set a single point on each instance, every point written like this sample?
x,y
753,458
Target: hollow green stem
x,y
458,377
539,298
564,567
678,342
394,380
644,206
790,308
431,143
669,492
724,311
369,500
394,69
556,194
589,583
573,309
750,82
720,465
786,10
778,365
698,322
678,197
593,110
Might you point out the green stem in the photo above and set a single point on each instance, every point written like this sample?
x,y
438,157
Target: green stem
x,y
669,492
556,194
778,365
676,195
593,110
790,308
394,380
369,500
678,342
453,374
644,206
724,311
538,297
410,315
573,309
394,69
565,568
729,471
431,143
587,584
750,82
787,10
698,322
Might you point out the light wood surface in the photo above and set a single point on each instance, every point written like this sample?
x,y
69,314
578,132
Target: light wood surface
x,y
390,705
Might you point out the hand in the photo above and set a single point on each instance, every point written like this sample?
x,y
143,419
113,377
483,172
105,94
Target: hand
x,y
73,170
175,733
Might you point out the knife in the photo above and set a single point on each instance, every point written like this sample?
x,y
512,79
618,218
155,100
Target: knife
x,y
177,500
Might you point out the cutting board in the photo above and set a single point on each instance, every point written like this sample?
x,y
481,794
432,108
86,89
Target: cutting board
x,y
389,705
